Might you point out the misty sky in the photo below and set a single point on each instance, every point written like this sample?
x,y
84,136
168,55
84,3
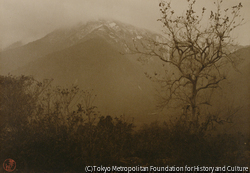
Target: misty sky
x,y
28,20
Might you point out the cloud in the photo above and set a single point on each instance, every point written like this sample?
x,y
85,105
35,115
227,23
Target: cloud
x,y
28,20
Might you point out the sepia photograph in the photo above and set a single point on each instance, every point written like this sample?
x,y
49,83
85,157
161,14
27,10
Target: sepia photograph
x,y
124,86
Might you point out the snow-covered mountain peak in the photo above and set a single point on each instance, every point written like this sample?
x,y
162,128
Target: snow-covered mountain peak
x,y
114,32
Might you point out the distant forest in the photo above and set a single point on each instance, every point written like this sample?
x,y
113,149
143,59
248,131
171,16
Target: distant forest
x,y
55,129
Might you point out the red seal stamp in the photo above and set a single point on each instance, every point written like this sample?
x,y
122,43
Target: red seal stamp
x,y
9,165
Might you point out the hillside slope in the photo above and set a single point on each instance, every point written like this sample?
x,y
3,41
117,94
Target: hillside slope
x,y
120,84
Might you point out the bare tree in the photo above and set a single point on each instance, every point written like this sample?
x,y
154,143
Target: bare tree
x,y
195,49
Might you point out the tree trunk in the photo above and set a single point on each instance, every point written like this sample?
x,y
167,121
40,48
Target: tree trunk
x,y
193,103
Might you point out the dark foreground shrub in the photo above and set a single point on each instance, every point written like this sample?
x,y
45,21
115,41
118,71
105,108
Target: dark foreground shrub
x,y
41,133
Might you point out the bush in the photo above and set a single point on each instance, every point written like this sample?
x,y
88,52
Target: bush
x,y
43,131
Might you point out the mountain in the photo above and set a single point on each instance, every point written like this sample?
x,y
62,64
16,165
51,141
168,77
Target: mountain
x,y
114,32
92,56
236,89
14,45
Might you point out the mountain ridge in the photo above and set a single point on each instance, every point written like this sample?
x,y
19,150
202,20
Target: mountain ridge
x,y
116,32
